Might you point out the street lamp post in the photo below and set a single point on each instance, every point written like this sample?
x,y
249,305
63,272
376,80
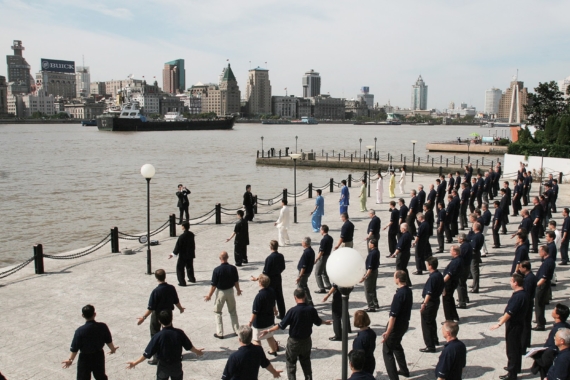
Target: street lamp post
x,y
369,147
296,138
262,143
413,157
375,147
345,268
468,145
541,169
360,155
147,171
295,157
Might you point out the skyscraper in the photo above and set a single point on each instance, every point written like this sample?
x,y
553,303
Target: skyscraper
x,y
3,96
18,68
419,95
82,81
366,97
311,84
174,77
492,101
258,92
512,102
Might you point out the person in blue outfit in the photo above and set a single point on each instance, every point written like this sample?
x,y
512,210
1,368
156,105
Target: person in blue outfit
x,y
454,355
318,212
344,198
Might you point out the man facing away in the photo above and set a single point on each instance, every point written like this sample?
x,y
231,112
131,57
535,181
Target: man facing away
x,y
283,223
373,227
402,253
185,249
248,203
183,202
241,233
428,310
346,233
451,281
167,346
274,266
393,228
224,279
454,356
305,268
318,211
371,276
89,340
325,249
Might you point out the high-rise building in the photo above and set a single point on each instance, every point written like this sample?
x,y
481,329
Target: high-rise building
x,y
511,106
174,77
97,88
3,96
563,86
492,101
419,95
311,84
223,98
57,78
82,81
366,97
18,67
258,92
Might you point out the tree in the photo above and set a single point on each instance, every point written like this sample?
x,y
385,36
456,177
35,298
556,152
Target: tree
x,y
524,136
547,101
564,131
551,129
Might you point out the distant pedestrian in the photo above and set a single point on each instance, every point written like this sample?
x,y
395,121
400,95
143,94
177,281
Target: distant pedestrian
x,y
392,186
224,279
283,223
241,234
89,341
371,276
248,203
451,281
497,220
183,202
318,211
263,314
163,297
305,268
301,318
379,188
245,362
274,266
344,200
365,340
185,249
423,247
402,181
362,196
403,251
431,299
357,361
453,358
167,347
393,228
346,233
325,249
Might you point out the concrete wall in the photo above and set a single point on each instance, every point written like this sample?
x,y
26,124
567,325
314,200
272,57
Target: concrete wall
x,y
511,164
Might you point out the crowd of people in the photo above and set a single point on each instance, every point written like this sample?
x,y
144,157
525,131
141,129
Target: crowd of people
x,y
453,204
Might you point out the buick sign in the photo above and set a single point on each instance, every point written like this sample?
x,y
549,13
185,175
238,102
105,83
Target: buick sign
x,y
58,66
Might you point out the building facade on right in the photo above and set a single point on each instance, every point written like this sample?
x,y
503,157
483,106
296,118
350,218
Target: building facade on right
x,y
311,84
419,95
492,101
511,106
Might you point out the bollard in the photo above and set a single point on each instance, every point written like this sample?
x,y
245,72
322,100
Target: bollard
x,y
432,162
331,185
218,213
39,258
255,204
310,190
262,154
339,157
462,162
419,160
453,160
115,240
333,152
344,153
447,162
404,161
327,157
440,159
349,180
483,161
560,178
477,164
279,153
366,177
440,170
351,157
322,152
401,157
172,226
269,153
285,194
286,151
491,163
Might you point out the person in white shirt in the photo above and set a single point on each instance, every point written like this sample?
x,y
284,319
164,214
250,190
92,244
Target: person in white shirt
x,y
402,181
283,223
379,188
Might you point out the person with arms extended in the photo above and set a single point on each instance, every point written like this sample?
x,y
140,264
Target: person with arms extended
x,y
454,355
241,233
183,202
325,249
283,223
318,211
185,249
89,341
263,314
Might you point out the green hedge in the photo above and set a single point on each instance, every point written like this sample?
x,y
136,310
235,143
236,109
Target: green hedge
x,y
534,149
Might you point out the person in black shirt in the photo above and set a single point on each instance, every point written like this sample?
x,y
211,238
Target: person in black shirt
x,y
565,236
550,243
451,281
167,346
241,233
183,202
90,340
431,196
305,268
428,311
536,215
473,194
163,297
466,254
529,285
458,180
454,356
561,365
517,193
371,276
403,213
248,203
185,248
301,319
544,277
245,362
441,188
421,196
497,220
463,203
413,209
373,231
504,205
449,219
336,311
423,247
325,249
365,340
487,217
526,188
480,185
477,240
224,279
403,251
400,312
441,221
393,228
521,252
274,266
514,317
526,223
450,183
263,314
357,361
346,232
554,195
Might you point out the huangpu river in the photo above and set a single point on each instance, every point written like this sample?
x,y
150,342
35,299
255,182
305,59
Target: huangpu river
x,y
65,186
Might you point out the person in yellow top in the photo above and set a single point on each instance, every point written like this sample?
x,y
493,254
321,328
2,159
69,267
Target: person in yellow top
x,y
363,196
392,184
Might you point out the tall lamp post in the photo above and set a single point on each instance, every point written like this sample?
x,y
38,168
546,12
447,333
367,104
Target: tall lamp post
x,y
360,155
295,157
413,157
541,169
262,143
369,147
147,171
345,268
296,138
375,147
468,145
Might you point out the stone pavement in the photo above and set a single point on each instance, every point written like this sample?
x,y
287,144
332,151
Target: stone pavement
x,y
39,313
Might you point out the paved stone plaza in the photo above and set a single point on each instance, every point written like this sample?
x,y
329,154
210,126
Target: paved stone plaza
x,y
40,313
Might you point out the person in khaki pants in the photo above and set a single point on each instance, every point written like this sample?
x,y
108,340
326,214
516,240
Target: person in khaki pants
x,y
224,279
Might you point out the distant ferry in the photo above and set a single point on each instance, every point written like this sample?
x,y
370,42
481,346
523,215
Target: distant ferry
x,y
89,123
130,119
305,120
275,121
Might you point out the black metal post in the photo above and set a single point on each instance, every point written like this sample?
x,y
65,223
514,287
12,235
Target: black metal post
x,y
345,292
360,154
296,138
255,204
295,186
172,222
285,194
413,159
218,213
368,182
114,240
349,180
148,265
258,154
327,157
39,258
440,170
331,184
351,157
310,190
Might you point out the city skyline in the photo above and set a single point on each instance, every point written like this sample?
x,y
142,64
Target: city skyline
x,y
388,59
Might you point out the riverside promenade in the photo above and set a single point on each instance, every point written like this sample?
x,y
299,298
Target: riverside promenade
x,y
40,313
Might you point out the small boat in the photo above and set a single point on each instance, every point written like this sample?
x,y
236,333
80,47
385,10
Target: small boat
x,y
89,123
305,120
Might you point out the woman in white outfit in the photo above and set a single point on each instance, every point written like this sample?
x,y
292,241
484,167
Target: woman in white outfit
x,y
402,182
379,188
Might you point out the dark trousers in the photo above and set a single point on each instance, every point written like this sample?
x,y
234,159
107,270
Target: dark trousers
x,y
440,239
543,361
564,251
188,264
479,199
392,242
165,371
393,352
475,272
422,252
514,349
183,210
321,275
154,323
540,301
337,323
448,302
299,349
304,284
91,363
370,290
516,206
505,219
240,253
527,329
447,230
496,238
534,236
248,214
454,226
463,216
472,204
411,221
402,261
553,203
462,288
429,324
275,284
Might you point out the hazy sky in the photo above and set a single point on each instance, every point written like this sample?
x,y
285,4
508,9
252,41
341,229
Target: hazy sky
x,y
460,48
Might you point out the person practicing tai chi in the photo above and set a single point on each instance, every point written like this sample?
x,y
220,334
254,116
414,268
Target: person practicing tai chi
x,y
283,223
